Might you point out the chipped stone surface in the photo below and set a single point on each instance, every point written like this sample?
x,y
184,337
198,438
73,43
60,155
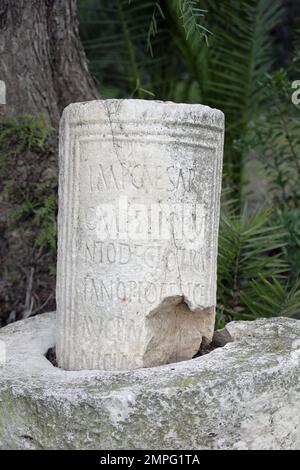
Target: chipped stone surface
x,y
245,395
138,227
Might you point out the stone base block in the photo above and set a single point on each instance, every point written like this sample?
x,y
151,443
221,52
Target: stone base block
x,y
245,395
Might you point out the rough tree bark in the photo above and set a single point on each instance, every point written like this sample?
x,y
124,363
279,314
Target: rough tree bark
x,y
41,57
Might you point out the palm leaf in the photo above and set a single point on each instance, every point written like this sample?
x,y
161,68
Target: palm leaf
x,y
270,298
240,54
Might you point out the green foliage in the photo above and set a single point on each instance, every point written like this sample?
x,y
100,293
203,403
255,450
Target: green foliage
x,y
274,139
38,212
22,134
218,53
192,17
259,252
241,54
253,273
290,219
121,41
245,238
169,59
153,28
28,187
272,298
131,45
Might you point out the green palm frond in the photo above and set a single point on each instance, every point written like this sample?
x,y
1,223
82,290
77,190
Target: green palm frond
x,y
274,138
250,253
248,245
122,44
270,298
136,46
192,18
240,55
253,271
153,28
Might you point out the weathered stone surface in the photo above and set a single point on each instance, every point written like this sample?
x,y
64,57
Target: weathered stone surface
x,y
245,395
2,92
138,227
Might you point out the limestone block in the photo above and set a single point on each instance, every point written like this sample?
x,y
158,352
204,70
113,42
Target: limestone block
x,y
245,395
139,194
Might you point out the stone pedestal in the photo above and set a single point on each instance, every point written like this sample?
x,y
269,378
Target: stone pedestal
x,y
245,395
137,234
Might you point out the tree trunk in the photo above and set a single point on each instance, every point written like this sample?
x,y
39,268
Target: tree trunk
x,y
42,61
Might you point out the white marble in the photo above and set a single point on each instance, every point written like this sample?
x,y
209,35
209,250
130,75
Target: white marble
x,y
139,194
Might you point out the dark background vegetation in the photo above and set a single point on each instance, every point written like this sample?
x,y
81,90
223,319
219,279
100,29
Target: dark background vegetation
x,y
239,56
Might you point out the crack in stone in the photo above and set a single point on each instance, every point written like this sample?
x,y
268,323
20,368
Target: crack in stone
x,y
109,113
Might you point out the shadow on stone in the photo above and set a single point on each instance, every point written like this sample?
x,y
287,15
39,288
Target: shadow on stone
x,y
51,356
220,339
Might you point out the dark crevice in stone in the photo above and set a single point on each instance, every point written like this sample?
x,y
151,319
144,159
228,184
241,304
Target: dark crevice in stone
x,y
220,339
51,356
29,438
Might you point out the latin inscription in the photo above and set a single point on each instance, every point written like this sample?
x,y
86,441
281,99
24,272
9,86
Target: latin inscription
x,y
97,291
153,256
125,219
122,176
124,230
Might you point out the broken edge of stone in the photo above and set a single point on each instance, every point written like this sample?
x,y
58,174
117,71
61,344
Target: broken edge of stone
x,y
245,395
